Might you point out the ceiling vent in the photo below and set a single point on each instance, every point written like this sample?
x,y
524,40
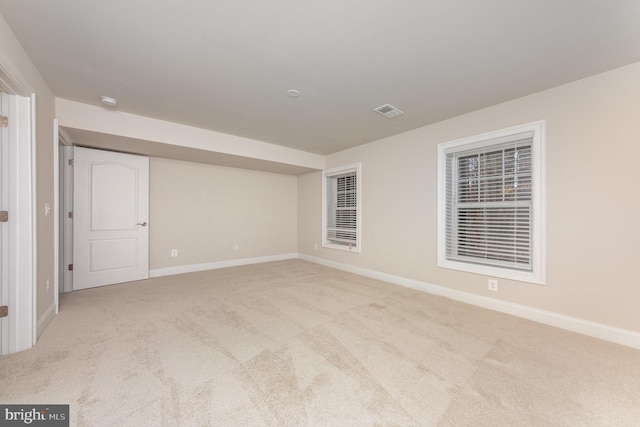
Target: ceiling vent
x,y
388,110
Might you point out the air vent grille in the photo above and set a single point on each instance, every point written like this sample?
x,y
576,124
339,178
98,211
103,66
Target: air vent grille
x,y
388,110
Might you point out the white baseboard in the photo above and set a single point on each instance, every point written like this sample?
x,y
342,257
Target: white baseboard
x,y
45,319
613,334
168,271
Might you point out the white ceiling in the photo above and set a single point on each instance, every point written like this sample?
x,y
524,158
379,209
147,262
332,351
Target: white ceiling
x,y
226,65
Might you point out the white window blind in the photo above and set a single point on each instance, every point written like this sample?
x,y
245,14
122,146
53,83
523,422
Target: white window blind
x,y
341,208
491,214
489,204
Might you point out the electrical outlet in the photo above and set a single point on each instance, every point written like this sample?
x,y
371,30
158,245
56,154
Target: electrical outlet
x,y
174,253
315,246
236,247
493,285
47,284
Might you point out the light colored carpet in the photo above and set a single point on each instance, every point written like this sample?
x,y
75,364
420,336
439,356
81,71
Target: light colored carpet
x,y
292,343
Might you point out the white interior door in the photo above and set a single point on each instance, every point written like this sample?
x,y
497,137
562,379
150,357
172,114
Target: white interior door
x,y
4,226
16,234
110,216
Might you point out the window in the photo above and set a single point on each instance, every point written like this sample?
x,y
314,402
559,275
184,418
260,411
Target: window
x,y
341,208
490,213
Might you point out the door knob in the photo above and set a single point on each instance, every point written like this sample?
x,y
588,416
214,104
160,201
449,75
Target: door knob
x,y
144,224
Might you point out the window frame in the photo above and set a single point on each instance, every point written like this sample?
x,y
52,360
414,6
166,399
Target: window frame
x,y
537,275
332,174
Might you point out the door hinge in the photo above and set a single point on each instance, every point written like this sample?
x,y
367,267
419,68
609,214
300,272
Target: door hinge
x,y
71,215
70,162
4,122
70,267
4,311
4,216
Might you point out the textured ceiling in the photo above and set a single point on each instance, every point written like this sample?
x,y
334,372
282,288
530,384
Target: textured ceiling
x,y
226,66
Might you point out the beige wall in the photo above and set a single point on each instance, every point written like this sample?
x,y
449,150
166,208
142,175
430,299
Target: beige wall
x,y
593,149
203,211
15,62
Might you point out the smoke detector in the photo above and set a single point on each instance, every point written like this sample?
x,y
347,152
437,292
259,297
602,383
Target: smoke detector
x,y
388,110
109,101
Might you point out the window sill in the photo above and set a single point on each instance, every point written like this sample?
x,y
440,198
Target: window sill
x,y
329,245
521,276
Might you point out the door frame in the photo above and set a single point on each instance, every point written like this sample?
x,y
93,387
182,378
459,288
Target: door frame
x,y
65,223
22,203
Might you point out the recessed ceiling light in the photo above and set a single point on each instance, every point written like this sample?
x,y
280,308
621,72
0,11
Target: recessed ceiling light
x,y
388,110
109,101
292,93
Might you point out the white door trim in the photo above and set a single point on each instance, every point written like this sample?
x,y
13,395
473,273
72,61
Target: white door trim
x,y
31,261
56,213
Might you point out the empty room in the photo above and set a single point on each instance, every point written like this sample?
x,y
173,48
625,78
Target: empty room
x,y
319,213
